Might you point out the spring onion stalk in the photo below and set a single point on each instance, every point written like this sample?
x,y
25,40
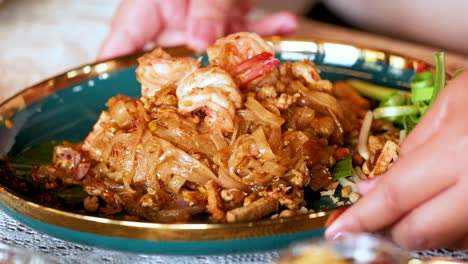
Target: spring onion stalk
x,y
373,91
343,168
395,111
439,82
403,108
363,138
402,136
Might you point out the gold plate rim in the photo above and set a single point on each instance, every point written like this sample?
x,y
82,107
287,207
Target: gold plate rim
x,y
147,230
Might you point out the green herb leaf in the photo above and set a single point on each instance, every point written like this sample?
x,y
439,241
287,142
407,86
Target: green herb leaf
x,y
343,168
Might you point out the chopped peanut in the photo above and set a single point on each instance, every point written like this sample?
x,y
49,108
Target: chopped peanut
x,y
287,213
233,195
366,167
346,191
91,203
389,153
332,186
354,197
375,144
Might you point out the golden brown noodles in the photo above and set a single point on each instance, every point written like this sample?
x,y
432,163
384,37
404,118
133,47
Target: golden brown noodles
x,y
240,139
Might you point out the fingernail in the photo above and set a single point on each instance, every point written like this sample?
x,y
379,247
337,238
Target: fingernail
x,y
204,33
366,186
334,231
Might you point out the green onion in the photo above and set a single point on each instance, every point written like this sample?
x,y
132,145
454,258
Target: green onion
x,y
422,80
343,168
395,111
422,94
396,98
439,82
373,91
397,106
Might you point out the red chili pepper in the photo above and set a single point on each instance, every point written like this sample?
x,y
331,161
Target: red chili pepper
x,y
420,67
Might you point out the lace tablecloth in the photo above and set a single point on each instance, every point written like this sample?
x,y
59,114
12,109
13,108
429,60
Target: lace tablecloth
x,y
14,233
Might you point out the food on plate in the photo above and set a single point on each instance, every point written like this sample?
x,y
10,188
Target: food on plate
x,y
243,138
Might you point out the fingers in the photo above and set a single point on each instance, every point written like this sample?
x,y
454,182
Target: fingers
x,y
174,14
435,224
461,244
433,120
412,180
366,186
280,23
135,23
207,20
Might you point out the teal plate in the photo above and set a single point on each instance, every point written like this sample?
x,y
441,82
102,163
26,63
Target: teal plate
x,y
66,107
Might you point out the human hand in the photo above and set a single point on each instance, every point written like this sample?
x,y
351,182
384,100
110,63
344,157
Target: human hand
x,y
421,201
195,22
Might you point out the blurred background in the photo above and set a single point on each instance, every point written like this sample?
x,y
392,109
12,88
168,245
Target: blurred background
x,y
42,38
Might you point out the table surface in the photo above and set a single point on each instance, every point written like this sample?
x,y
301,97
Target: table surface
x,y
38,42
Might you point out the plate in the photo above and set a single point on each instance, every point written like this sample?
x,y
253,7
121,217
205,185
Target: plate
x,y
66,107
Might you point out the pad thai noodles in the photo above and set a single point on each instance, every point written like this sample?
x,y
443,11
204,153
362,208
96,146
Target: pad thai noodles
x,y
241,139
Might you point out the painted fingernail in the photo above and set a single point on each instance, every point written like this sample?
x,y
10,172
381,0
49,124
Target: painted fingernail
x,y
334,231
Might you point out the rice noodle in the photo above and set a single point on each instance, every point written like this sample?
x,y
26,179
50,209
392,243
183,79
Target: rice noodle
x,y
364,135
402,136
358,172
176,183
226,181
262,113
316,100
263,145
175,161
219,141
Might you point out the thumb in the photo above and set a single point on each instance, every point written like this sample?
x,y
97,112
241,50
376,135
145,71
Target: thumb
x,y
206,22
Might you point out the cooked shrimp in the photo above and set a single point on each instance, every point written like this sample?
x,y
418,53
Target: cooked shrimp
x,y
214,90
308,73
158,70
246,56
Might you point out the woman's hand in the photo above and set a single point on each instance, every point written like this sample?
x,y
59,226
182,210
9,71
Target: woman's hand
x,y
421,202
193,22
